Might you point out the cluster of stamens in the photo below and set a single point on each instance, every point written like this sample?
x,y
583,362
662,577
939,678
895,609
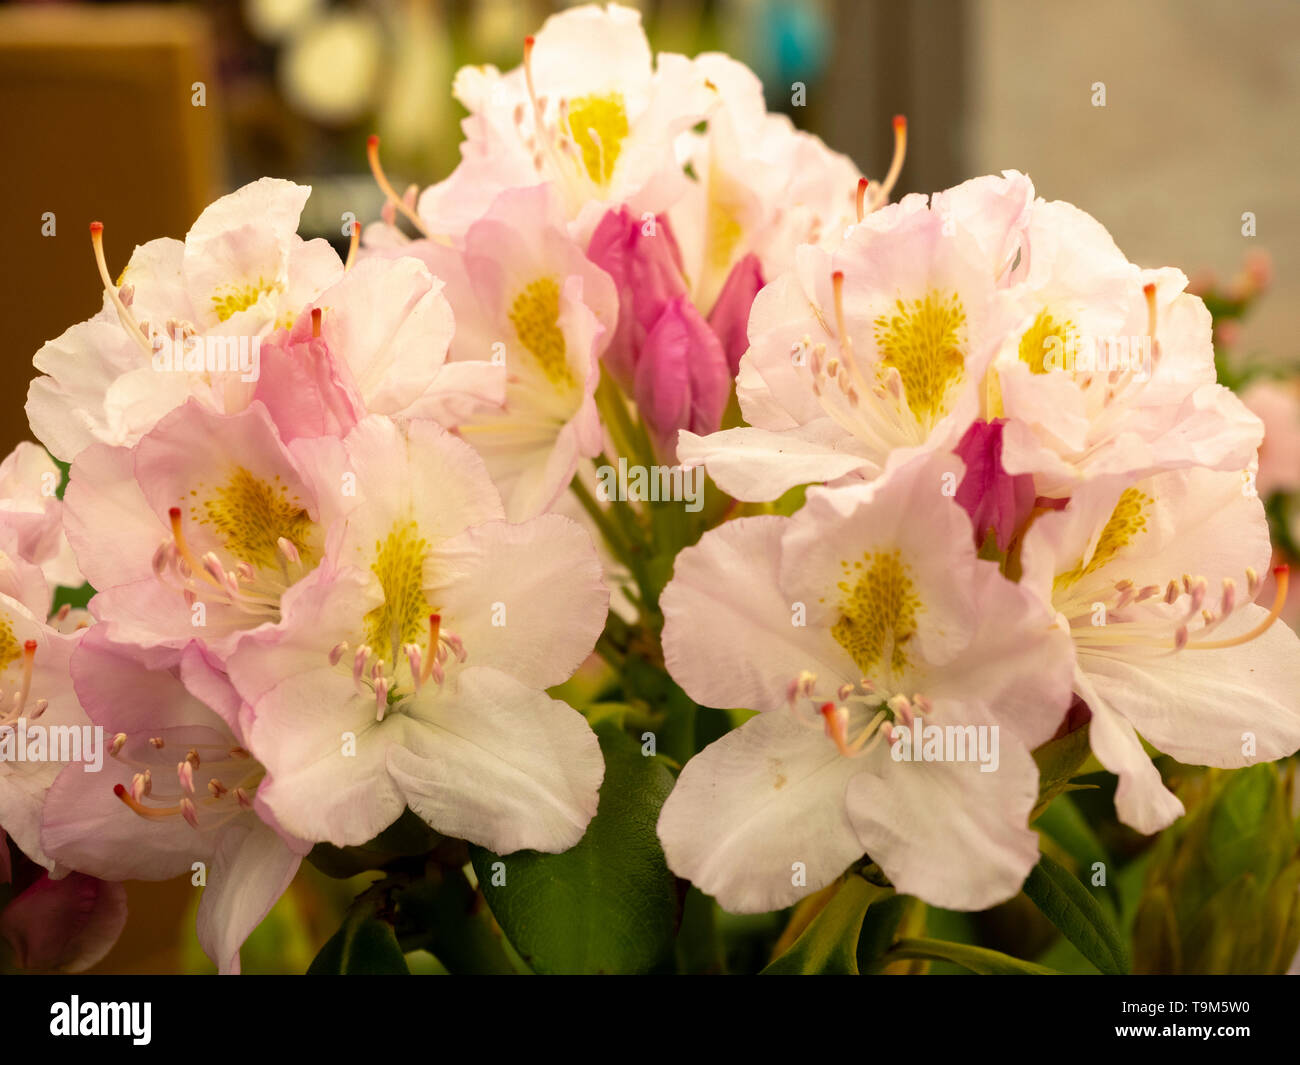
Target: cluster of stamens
x,y
858,718
1197,610
182,799
372,677
14,705
244,588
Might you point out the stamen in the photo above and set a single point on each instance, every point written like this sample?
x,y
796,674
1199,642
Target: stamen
x,y
289,550
29,660
413,659
835,726
154,813
358,665
352,247
124,316
895,165
315,323
183,549
372,154
1149,291
431,656
863,184
1282,576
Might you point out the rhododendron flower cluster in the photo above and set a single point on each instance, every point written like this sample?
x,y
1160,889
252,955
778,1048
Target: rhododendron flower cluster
x,y
980,519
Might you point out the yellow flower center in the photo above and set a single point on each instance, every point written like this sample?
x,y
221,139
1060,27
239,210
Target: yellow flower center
x,y
250,515
232,299
1125,522
722,231
535,314
599,126
1046,344
879,607
403,616
923,340
10,649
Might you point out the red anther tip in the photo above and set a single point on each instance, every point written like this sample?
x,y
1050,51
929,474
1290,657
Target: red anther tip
x,y
826,708
529,41
315,311
97,227
863,182
372,141
356,229
900,122
1149,288
838,275
29,646
1279,570
119,790
435,618
174,513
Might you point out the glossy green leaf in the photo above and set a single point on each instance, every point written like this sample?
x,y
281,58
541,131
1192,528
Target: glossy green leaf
x,y
1059,760
364,945
607,905
829,945
1069,905
976,959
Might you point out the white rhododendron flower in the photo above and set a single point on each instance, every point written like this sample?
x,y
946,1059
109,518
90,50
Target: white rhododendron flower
x,y
590,111
1157,582
530,303
900,621
410,668
864,357
241,272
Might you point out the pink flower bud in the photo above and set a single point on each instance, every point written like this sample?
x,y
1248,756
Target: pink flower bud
x,y
994,499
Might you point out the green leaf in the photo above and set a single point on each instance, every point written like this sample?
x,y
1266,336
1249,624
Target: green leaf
x,y
405,837
1059,760
364,945
607,905
976,959
442,913
1069,905
829,945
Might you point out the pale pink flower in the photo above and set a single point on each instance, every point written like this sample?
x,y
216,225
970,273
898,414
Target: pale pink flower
x,y
1277,405
31,514
241,272
374,342
589,111
759,186
862,358
864,611
1156,582
410,668
35,693
199,530
527,300
1111,369
179,795
65,925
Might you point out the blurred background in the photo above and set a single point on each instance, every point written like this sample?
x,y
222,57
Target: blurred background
x,y
1166,119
